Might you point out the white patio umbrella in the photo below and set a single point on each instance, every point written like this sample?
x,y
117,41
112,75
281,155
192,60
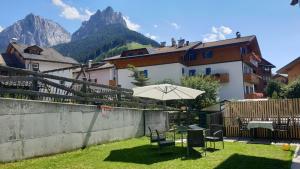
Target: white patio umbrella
x,y
166,92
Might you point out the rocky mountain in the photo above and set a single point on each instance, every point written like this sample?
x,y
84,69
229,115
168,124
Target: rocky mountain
x,y
34,30
104,31
97,23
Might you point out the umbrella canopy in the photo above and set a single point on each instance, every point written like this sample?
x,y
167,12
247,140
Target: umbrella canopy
x,y
166,92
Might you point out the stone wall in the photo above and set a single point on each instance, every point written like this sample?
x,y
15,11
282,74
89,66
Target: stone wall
x,y
34,128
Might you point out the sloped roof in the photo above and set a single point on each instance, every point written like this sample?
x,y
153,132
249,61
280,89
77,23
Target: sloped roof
x,y
48,54
286,68
196,45
12,61
266,63
2,62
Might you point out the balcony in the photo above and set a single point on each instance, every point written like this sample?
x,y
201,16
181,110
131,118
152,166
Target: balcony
x,y
251,78
221,77
254,96
113,83
252,59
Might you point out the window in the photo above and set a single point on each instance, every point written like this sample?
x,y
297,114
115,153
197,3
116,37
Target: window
x,y
192,72
208,71
243,50
208,54
192,55
35,67
182,71
146,73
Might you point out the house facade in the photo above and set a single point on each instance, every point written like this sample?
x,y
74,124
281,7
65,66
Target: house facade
x,y
99,73
234,62
292,70
35,58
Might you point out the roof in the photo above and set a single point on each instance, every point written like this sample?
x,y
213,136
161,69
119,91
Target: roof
x,y
286,68
195,45
12,61
48,54
2,62
97,66
264,62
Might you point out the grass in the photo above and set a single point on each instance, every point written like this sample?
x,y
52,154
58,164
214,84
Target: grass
x,y
137,153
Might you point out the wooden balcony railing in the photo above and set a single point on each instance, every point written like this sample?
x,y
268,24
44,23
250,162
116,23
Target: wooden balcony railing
x,y
254,96
251,78
221,77
252,59
113,83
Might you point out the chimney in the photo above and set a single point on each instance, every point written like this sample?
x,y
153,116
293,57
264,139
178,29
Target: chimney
x,y
181,43
90,64
187,43
163,44
238,34
13,40
173,42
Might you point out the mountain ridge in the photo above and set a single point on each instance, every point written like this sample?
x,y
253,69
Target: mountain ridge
x,y
34,30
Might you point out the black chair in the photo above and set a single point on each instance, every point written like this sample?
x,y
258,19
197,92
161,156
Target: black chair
x,y
242,126
214,134
195,138
283,127
164,142
154,138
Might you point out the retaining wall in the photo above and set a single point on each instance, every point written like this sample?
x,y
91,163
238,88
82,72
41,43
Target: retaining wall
x,y
35,128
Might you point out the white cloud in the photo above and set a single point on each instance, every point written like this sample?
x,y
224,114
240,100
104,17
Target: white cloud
x,y
1,28
155,26
175,25
70,12
217,34
151,36
130,24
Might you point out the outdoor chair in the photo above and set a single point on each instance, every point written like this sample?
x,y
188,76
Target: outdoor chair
x,y
195,138
154,138
214,134
283,127
164,142
242,126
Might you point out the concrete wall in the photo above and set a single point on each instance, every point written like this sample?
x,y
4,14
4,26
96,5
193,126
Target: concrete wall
x,y
33,128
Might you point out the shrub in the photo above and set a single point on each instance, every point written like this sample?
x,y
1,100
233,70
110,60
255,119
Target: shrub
x,y
293,89
205,83
275,88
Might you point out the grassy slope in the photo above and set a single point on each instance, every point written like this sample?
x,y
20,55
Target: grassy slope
x,y
137,153
118,50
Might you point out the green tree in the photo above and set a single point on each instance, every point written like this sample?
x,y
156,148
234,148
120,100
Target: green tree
x,y
293,89
166,81
138,76
274,88
205,83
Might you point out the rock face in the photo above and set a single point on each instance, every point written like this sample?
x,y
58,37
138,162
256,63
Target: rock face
x,y
34,30
97,22
104,30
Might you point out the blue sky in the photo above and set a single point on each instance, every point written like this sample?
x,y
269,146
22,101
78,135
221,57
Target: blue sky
x,y
275,23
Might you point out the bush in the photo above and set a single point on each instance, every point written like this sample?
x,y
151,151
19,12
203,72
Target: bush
x,y
205,83
275,89
293,89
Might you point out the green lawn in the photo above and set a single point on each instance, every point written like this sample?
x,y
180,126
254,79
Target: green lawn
x,y
137,153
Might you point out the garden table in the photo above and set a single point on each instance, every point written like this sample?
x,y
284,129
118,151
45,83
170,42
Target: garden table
x,y
261,124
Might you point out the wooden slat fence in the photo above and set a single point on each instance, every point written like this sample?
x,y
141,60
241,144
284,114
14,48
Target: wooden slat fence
x,y
272,110
25,84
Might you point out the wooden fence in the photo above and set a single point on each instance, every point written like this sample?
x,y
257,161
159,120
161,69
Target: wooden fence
x,y
273,110
25,84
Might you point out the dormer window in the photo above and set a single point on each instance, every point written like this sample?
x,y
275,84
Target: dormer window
x,y
36,50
